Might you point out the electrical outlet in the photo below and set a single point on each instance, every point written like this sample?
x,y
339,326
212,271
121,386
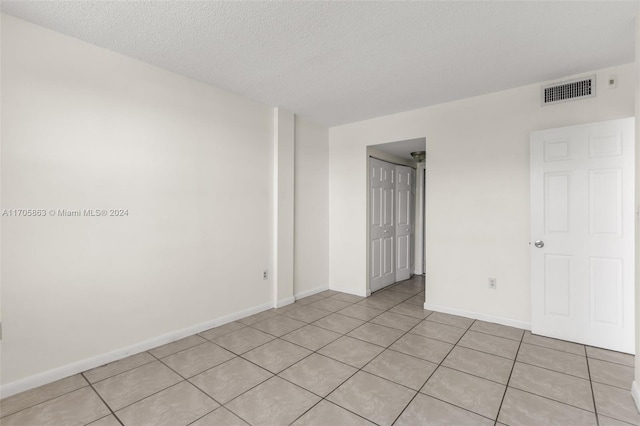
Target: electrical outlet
x,y
612,82
492,283
265,274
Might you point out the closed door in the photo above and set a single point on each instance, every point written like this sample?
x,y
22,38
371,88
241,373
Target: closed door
x,y
382,223
582,231
405,192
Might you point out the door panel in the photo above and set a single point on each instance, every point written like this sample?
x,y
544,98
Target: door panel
x,y
382,224
404,222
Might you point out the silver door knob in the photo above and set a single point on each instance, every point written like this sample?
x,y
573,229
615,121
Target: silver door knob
x,y
539,244
384,230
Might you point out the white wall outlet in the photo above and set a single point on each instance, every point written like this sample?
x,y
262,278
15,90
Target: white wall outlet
x,y
492,283
612,82
265,274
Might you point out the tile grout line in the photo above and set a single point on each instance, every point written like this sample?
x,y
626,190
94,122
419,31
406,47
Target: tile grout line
x,y
46,400
506,388
103,401
593,395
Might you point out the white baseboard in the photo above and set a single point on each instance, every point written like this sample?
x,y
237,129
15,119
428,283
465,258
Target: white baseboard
x,y
635,393
58,373
311,292
476,315
285,302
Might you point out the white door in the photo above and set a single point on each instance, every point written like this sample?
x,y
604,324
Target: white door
x,y
405,237
382,222
412,235
582,223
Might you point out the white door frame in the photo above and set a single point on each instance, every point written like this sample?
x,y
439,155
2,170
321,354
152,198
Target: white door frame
x,y
420,219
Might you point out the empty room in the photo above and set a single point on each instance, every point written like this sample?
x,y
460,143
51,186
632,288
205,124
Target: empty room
x,y
324,213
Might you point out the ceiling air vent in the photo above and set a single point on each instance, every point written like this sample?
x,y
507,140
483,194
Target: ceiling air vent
x,y
569,90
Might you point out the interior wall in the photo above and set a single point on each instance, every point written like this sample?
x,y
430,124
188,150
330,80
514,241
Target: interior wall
x,y
86,128
311,258
477,191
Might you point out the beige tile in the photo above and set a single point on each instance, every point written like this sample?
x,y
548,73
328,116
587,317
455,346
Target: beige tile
x,y
427,411
279,325
220,417
276,355
327,414
422,347
403,369
464,390
40,394
562,362
106,421
376,334
178,405
361,312
397,321
525,409
228,380
391,295
410,288
490,344
214,333
330,304
479,364
261,316
351,351
274,402
435,330
328,293
409,309
615,403
310,299
610,373
177,346
243,340
132,386
76,408
498,330
417,300
559,345
339,323
197,359
553,385
311,337
611,356
306,313
378,303
608,421
373,398
318,374
454,320
117,367
351,298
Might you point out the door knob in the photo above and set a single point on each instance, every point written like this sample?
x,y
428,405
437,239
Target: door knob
x,y
539,244
384,230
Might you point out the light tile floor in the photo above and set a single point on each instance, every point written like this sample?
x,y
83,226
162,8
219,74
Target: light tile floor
x,y
335,359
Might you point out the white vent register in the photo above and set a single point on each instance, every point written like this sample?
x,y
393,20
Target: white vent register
x,y
569,90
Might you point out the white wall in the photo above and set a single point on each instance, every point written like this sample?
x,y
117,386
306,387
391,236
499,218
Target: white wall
x,y
87,128
477,191
311,271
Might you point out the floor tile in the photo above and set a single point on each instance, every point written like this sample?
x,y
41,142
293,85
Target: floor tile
x,y
427,411
608,421
330,304
197,359
378,303
306,313
494,345
397,321
310,299
454,320
548,342
222,330
327,414
328,293
525,409
243,340
361,312
376,334
178,405
422,347
274,402
611,356
228,380
279,325
466,391
177,346
276,355
117,367
373,398
351,351
391,295
610,373
311,337
411,288
220,417
351,298
41,394
318,374
435,330
339,323
562,362
615,403
411,310
553,385
106,421
487,366
498,330
261,316
403,369
132,386
76,408
417,300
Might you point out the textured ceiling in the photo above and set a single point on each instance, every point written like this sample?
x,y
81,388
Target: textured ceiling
x,y
342,61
